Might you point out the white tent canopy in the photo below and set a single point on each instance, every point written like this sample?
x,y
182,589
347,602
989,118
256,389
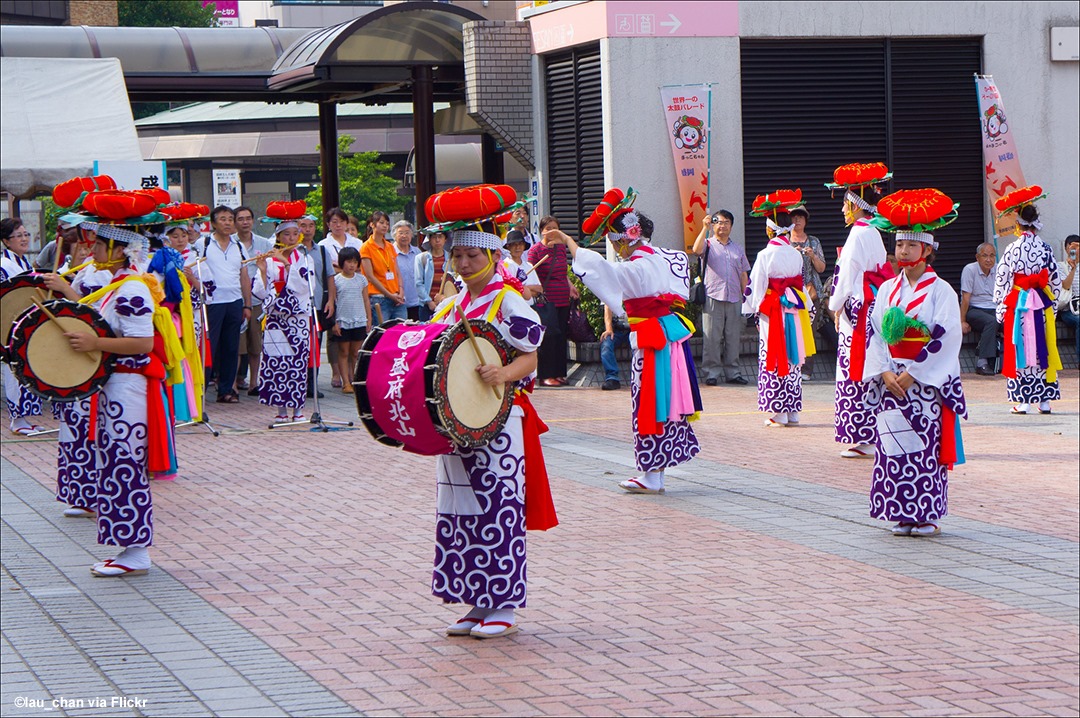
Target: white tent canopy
x,y
59,116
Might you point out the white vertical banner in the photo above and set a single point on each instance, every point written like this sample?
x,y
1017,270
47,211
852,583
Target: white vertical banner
x,y
227,188
1001,163
147,174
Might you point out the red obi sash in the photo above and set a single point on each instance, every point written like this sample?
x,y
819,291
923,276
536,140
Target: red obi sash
x,y
157,417
872,280
648,307
1021,283
539,507
776,359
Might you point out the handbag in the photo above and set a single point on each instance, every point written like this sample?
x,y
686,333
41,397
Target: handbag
x,y
697,289
549,315
578,328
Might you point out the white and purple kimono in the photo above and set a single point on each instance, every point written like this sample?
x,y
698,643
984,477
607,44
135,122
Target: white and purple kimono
x,y
480,557
124,506
918,436
645,288
76,460
21,402
777,262
858,273
286,298
1023,263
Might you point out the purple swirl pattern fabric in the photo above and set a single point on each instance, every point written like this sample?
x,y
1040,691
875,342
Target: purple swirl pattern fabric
x,y
76,459
480,556
124,506
676,445
777,393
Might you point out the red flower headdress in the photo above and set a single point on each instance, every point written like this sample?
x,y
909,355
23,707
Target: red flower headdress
x,y
1013,201
914,213
471,213
614,204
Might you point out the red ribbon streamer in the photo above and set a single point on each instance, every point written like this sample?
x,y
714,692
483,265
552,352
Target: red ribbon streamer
x,y
776,359
1021,282
539,506
872,279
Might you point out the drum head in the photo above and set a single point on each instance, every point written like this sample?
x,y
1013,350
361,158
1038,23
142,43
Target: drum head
x,y
43,360
16,296
469,411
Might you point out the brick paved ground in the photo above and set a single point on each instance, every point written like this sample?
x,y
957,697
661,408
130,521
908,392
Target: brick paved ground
x,y
291,574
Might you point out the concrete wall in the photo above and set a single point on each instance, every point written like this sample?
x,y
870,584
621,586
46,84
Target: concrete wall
x,y
1040,96
637,150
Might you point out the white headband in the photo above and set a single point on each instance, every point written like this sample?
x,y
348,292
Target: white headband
x,y
481,240
860,202
924,237
287,224
1034,224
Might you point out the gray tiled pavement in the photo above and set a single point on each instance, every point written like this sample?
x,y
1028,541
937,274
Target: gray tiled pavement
x,y
1019,568
67,635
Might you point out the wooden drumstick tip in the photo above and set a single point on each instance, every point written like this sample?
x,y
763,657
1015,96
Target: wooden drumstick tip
x,y
476,346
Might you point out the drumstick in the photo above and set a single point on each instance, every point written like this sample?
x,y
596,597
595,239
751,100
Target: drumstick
x,y
476,346
543,259
95,355
378,311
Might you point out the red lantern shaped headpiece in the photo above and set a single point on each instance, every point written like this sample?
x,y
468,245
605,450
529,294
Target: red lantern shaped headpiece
x,y
285,211
119,205
67,194
463,204
613,205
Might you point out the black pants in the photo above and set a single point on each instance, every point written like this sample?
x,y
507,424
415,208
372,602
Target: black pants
x,y
984,321
551,359
224,335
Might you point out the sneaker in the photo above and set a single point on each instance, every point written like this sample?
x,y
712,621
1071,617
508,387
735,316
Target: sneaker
x,y
611,384
242,385
710,382
984,371
740,381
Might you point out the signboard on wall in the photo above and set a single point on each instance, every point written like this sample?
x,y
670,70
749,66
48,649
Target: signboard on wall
x,y
134,174
227,188
227,12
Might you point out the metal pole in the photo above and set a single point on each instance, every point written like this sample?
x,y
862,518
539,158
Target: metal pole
x,y
423,138
328,157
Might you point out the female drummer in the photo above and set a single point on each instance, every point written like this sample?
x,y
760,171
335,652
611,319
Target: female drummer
x,y
283,287
481,513
76,470
22,404
120,436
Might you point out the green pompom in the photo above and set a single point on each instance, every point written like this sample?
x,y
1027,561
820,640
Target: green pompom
x,y
894,324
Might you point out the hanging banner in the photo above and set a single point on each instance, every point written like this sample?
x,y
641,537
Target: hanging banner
x,y
1001,164
688,109
133,174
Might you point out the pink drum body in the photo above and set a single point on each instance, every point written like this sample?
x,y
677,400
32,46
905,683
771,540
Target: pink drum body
x,y
396,388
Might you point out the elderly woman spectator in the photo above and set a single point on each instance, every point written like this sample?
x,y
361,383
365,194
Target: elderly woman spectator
x,y
810,248
432,267
407,253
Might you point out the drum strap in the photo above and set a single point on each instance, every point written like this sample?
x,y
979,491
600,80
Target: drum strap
x,y
493,311
539,507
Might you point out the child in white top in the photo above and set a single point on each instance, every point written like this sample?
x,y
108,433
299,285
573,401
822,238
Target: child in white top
x,y
351,314
518,267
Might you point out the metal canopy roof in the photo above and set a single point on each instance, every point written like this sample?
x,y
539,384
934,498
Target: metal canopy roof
x,y
375,54
370,56
167,63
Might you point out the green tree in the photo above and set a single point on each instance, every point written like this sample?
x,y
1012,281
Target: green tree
x,y
165,13
162,13
364,184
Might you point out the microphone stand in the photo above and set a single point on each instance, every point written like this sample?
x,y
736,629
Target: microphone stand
x,y
204,420
313,351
